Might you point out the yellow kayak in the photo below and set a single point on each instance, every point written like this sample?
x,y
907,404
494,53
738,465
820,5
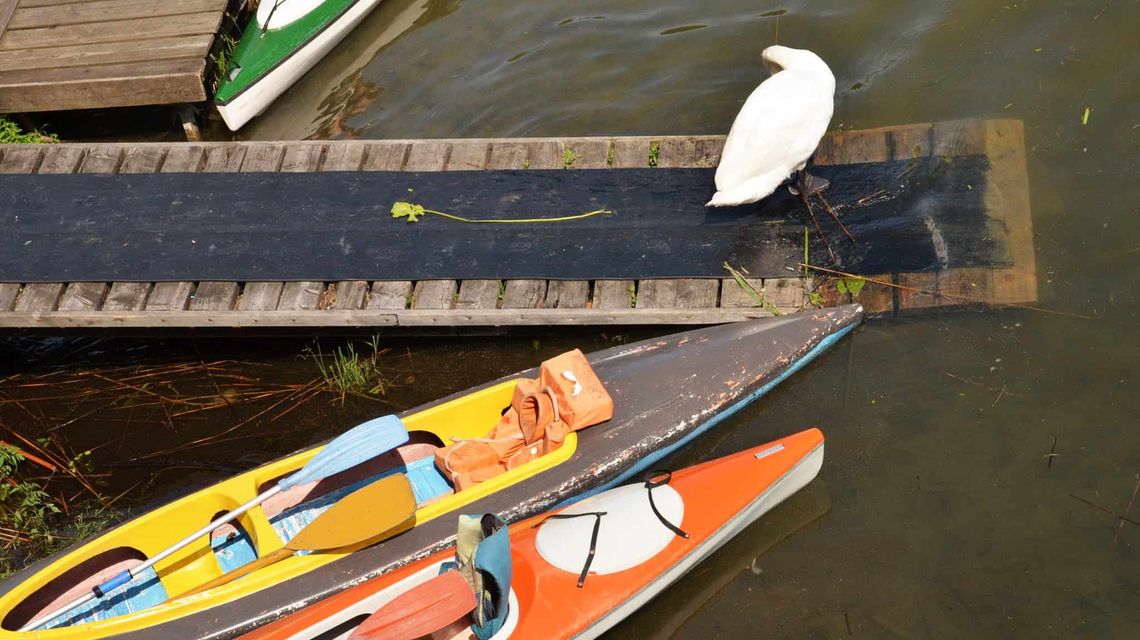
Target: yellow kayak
x,y
665,392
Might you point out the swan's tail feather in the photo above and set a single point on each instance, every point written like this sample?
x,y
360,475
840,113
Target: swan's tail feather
x,y
748,191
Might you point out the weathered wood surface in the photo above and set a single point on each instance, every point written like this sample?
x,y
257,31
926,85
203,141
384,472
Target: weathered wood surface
x,y
466,303
85,54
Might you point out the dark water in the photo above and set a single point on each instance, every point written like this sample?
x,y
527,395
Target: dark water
x,y
940,512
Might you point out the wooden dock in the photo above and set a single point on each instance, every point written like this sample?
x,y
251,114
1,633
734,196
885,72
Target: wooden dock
x,y
59,55
484,303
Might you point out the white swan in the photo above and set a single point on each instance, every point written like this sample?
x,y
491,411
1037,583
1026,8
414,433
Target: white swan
x,y
778,129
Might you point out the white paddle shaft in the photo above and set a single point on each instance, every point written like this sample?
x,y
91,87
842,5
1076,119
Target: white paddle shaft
x,y
126,576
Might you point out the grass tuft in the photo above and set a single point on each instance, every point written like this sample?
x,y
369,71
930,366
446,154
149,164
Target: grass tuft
x,y
348,371
11,133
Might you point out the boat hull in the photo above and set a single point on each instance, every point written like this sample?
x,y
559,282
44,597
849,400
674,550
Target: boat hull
x,y
238,106
721,498
666,392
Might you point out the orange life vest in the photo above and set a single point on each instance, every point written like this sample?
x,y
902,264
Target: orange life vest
x,y
567,396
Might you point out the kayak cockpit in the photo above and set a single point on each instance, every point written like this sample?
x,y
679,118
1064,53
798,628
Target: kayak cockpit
x,y
156,594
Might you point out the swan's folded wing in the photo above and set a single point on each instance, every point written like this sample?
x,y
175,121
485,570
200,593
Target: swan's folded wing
x,y
778,128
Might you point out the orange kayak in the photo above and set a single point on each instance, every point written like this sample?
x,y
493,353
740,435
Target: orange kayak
x,y
637,535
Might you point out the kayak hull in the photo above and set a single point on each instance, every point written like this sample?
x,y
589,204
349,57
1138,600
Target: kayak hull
x,y
548,603
240,102
666,391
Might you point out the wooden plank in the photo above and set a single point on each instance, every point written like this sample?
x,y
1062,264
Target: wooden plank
x,y
614,294
298,296
567,294
344,156
201,23
590,153
427,155
262,157
127,296
434,294
468,155
959,138
21,159
39,297
1007,192
508,155
696,293
921,290
8,293
260,296
385,156
733,296
7,9
546,154
967,285
224,159
102,159
877,298
61,159
690,151
656,294
631,153
300,158
183,158
523,294
29,17
143,159
390,295
214,296
910,141
83,296
414,319
787,294
122,85
169,296
847,147
478,294
105,53
350,294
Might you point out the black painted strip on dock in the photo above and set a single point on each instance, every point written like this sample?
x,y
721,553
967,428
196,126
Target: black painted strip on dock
x,y
526,302
917,214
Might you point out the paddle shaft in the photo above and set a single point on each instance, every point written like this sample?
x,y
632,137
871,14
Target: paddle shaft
x,y
245,569
127,575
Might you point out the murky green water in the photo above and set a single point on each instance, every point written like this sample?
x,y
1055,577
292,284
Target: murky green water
x,y
940,512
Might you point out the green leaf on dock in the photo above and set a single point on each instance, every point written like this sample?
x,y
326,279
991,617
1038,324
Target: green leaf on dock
x,y
413,212
850,285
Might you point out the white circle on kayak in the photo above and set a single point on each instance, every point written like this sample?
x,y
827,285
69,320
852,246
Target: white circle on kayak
x,y
286,12
629,534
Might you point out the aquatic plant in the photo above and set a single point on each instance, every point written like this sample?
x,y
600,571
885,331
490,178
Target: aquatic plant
x,y
413,212
351,372
25,507
850,285
756,296
11,133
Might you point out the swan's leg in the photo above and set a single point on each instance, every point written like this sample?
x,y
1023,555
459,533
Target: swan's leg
x,y
818,229
835,216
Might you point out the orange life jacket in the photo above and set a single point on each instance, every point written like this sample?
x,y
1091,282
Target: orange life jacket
x,y
567,396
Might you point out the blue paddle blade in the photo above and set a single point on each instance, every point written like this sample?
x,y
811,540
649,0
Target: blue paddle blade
x,y
360,443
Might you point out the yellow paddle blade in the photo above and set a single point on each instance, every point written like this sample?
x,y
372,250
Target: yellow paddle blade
x,y
369,512
363,514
